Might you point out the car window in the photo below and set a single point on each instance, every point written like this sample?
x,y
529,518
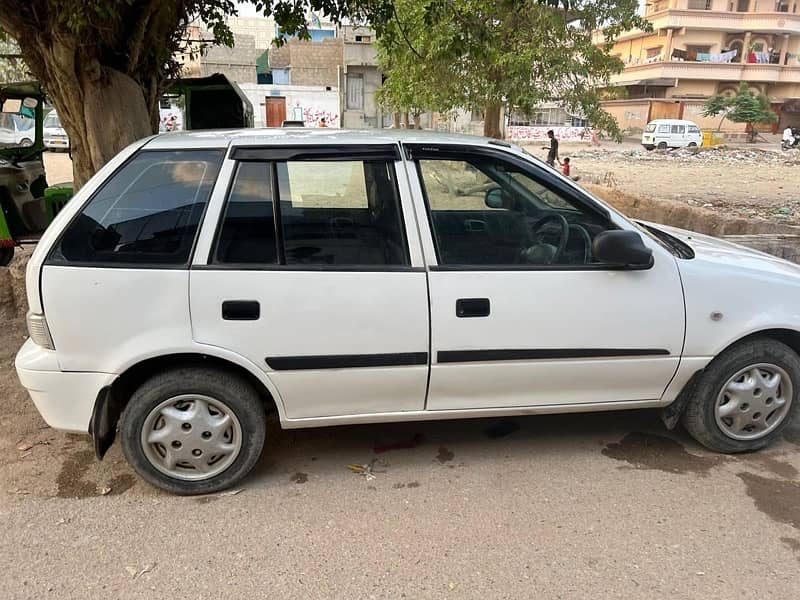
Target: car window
x,y
52,120
146,213
341,213
247,234
678,129
663,129
694,129
650,128
485,211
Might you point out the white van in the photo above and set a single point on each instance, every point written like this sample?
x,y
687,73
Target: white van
x,y
671,133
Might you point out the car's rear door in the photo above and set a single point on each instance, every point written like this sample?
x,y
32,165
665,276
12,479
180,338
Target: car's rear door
x,y
511,330
315,275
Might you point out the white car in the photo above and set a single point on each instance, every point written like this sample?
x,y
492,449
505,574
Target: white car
x,y
200,280
55,137
671,133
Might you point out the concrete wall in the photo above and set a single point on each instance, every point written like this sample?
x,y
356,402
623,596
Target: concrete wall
x,y
314,102
262,30
631,115
310,63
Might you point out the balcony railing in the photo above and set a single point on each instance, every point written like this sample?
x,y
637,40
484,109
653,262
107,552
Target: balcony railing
x,y
710,71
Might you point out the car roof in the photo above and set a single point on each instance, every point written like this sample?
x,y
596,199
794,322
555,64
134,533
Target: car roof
x,y
672,121
221,138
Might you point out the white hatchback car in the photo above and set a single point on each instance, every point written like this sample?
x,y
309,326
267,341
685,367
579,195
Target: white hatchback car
x,y
200,280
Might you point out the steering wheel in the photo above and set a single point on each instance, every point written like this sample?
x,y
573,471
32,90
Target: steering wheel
x,y
586,239
541,253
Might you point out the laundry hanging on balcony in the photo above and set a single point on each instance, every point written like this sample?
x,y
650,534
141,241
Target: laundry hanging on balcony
x,y
759,57
722,57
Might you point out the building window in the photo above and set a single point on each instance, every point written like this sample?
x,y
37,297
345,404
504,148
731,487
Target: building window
x,y
355,91
366,39
699,4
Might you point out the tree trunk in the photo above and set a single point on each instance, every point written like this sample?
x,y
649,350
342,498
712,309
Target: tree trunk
x,y
102,115
491,121
102,110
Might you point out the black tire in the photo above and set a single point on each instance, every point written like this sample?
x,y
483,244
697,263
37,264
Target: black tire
x,y
26,142
224,387
692,145
662,146
698,418
6,254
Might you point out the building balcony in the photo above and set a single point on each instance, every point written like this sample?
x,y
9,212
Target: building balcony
x,y
763,22
756,73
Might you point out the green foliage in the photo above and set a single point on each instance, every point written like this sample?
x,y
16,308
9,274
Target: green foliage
x,y
745,106
444,54
12,67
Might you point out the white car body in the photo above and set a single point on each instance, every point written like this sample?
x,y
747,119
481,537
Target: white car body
x,y
55,137
671,133
556,340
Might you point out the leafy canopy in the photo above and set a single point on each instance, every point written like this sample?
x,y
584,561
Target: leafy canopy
x,y
745,106
444,54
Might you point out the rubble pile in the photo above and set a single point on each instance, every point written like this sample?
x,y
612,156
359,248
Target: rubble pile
x,y
716,154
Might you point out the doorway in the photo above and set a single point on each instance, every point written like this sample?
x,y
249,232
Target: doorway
x,y
276,110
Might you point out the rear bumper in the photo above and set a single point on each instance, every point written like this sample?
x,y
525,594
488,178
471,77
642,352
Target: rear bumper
x,y
64,399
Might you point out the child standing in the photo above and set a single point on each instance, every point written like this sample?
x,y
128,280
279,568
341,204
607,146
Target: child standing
x,y
565,166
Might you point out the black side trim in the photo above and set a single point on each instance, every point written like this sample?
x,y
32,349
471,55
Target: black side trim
x,y
346,361
453,356
315,268
318,152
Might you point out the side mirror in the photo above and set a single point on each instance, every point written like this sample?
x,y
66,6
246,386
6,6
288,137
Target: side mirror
x,y
494,198
620,247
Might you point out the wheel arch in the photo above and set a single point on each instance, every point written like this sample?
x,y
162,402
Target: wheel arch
x,y
111,400
671,413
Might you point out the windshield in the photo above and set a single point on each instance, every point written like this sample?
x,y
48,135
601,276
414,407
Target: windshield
x,y
651,127
52,120
17,125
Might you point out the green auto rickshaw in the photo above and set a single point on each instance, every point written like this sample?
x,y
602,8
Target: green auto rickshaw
x,y
27,206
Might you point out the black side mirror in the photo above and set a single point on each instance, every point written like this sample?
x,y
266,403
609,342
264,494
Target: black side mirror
x,y
495,198
624,248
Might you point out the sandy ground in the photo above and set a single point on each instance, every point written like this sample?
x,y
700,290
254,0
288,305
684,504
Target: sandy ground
x,y
574,506
741,181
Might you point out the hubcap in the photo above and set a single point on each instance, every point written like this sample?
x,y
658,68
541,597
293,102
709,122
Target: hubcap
x,y
754,402
191,437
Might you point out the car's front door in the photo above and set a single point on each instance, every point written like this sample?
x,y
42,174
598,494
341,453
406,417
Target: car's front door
x,y
313,276
521,312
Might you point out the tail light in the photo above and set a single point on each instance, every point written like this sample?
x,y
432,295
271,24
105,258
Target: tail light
x,y
39,332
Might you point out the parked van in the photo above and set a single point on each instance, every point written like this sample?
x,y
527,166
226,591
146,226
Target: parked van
x,y
671,133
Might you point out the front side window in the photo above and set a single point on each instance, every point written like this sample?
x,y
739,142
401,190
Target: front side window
x,y
488,212
148,212
693,129
341,213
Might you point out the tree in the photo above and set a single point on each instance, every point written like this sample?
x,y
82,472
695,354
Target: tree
x,y
745,106
104,63
12,67
445,54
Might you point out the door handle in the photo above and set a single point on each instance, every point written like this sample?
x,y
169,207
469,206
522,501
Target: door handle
x,y
241,310
472,307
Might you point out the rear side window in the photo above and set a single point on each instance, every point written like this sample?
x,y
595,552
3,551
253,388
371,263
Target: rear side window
x,y
678,129
663,129
340,213
147,213
247,235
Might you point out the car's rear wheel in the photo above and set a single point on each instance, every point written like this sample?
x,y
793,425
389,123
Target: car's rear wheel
x,y
746,397
6,254
193,430
662,146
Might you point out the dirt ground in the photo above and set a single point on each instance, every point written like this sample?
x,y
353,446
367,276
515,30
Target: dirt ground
x,y
603,505
735,181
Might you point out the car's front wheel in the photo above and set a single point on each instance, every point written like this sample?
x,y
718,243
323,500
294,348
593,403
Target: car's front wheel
x,y
745,397
193,430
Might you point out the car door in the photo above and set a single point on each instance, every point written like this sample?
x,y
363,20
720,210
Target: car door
x,y
519,318
315,276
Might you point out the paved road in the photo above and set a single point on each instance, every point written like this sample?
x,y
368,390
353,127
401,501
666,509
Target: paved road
x,y
588,506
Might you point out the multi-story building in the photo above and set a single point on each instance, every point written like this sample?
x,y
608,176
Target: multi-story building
x,y
699,48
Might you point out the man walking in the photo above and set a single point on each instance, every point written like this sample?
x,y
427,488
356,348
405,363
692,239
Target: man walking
x,y
552,152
